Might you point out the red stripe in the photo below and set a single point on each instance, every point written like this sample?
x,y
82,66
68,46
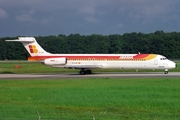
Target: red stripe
x,y
139,56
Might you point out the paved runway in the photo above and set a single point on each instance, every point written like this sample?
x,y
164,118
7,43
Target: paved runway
x,y
93,75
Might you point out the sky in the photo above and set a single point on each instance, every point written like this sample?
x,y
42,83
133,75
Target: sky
x,y
86,17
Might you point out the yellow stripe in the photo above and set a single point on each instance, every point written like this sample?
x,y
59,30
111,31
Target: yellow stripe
x,y
29,59
150,57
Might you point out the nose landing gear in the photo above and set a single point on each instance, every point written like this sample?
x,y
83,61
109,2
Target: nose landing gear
x,y
166,71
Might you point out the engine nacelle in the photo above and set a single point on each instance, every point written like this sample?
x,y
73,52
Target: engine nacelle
x,y
54,61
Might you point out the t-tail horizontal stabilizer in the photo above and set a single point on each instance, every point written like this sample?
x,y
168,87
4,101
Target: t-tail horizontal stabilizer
x,y
31,46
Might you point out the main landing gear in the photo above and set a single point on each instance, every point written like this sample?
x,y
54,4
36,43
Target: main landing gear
x,y
166,71
83,72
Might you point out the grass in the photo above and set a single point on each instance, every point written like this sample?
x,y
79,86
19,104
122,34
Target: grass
x,y
7,68
106,98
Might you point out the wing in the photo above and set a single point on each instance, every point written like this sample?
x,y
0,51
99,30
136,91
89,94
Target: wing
x,y
80,66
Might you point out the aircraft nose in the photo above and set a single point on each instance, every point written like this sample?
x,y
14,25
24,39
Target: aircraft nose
x,y
172,65
175,65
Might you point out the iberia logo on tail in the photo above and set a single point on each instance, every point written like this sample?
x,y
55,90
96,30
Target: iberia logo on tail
x,y
33,49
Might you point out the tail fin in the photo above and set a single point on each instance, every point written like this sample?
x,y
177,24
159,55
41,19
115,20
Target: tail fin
x,y
31,46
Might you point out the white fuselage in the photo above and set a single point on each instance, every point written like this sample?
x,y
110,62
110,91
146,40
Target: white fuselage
x,y
120,61
155,63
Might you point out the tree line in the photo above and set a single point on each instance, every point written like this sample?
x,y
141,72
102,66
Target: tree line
x,y
167,44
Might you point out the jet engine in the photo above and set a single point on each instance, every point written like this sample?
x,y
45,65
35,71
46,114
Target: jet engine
x,y
54,61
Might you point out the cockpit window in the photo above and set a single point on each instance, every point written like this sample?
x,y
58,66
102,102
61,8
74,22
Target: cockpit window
x,y
163,58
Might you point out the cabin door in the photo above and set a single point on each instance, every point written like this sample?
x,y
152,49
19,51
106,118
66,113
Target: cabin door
x,y
155,61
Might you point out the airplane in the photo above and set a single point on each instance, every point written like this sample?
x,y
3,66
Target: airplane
x,y
88,62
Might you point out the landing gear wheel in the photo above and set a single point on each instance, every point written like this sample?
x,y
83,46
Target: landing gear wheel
x,y
88,72
166,72
82,72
